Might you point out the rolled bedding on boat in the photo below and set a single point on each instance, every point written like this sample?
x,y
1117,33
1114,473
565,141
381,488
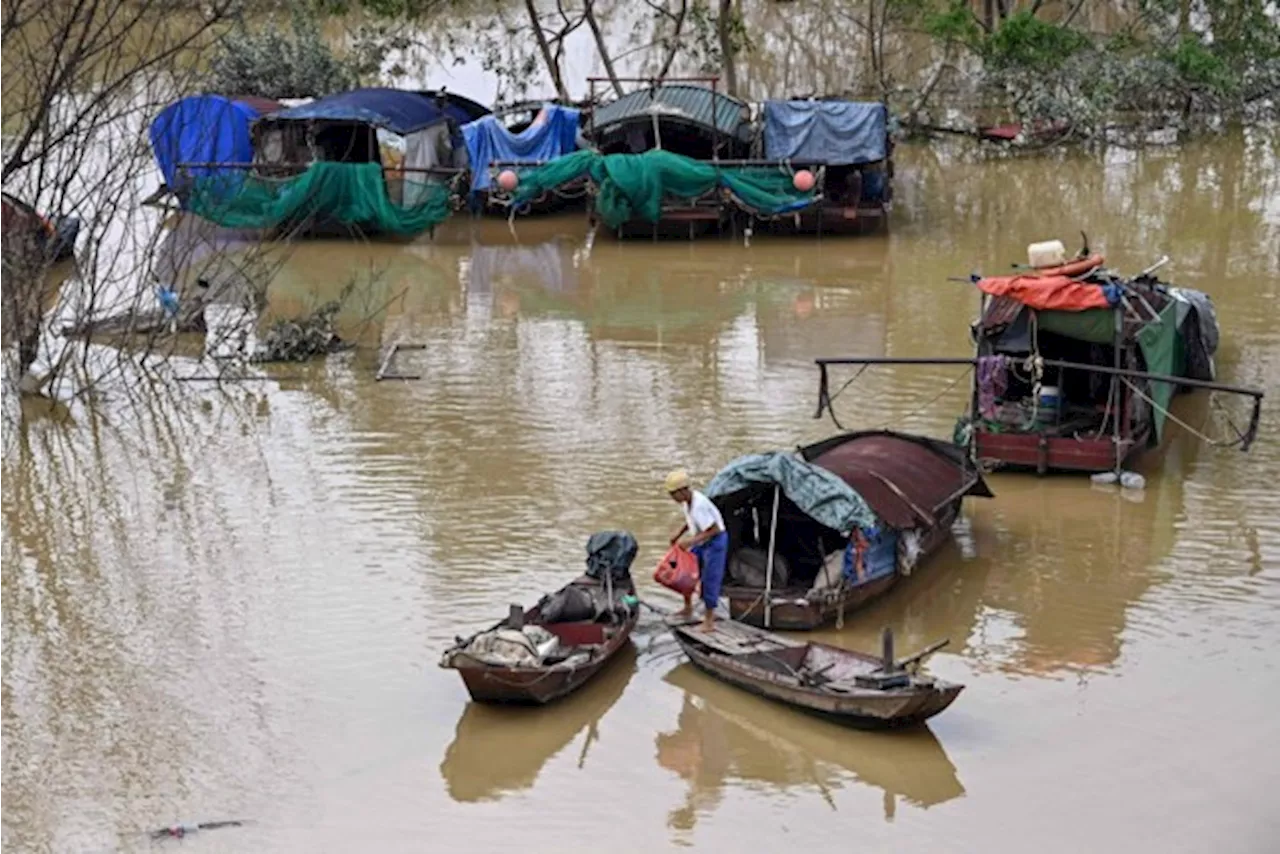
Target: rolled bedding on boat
x,y
526,647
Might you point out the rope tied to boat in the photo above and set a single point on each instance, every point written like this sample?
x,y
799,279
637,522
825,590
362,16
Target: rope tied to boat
x,y
1242,437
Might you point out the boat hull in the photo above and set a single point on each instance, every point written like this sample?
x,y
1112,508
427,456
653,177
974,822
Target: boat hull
x,y
1043,454
528,686
870,710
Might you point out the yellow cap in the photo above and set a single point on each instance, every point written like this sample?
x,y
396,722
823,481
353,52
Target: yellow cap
x,y
677,481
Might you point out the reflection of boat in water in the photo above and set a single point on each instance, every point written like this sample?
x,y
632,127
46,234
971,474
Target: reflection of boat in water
x,y
724,737
497,750
548,266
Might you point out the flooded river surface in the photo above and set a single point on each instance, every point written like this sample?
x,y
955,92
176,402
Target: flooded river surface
x,y
231,605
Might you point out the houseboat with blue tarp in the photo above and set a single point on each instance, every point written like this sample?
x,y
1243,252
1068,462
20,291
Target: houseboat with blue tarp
x,y
852,142
369,161
204,135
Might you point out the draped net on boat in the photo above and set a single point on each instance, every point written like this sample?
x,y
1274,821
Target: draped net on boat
x,y
634,186
353,194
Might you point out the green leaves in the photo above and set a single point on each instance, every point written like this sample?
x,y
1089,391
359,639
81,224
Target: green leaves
x,y
279,63
1024,40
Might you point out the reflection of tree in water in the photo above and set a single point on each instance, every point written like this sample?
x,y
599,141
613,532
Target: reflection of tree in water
x,y
102,529
497,750
1157,201
725,735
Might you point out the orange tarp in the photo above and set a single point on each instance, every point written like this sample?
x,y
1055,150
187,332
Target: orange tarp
x,y
1046,293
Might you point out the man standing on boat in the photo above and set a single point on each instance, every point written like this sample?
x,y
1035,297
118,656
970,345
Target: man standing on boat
x,y
710,542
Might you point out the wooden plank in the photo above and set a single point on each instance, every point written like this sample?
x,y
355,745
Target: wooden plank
x,y
716,640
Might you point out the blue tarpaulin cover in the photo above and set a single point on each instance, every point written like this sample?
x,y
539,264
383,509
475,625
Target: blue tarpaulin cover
x,y
392,109
836,132
201,129
821,495
553,134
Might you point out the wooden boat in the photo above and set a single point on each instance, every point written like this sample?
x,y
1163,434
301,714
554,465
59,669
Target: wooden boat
x,y
852,688
1076,366
913,486
583,649
1059,419
721,742
688,116
538,655
849,147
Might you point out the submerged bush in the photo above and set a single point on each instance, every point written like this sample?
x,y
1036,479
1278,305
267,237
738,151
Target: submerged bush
x,y
280,63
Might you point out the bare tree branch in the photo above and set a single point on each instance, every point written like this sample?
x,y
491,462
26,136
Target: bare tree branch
x,y
588,12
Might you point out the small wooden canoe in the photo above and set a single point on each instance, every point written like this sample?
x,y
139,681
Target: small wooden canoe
x,y
852,688
583,648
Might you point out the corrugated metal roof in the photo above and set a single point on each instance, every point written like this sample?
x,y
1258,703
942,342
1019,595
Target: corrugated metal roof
x,y
683,101
902,477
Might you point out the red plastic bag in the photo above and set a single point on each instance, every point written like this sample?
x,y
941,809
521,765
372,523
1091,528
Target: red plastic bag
x,y
678,570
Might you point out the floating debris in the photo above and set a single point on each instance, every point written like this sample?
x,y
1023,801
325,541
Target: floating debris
x,y
177,831
299,340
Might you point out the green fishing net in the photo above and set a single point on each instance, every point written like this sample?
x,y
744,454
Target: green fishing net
x,y
634,186
353,194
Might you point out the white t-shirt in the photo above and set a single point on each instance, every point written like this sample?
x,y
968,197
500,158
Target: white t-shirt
x,y
700,514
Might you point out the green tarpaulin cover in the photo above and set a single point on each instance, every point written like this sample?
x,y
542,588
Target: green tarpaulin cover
x,y
821,495
1096,325
1160,341
634,186
1162,350
350,193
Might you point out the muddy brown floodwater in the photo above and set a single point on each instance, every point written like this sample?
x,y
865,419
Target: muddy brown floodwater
x,y
232,605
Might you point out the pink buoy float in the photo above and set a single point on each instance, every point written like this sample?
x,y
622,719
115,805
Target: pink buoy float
x,y
803,180
508,180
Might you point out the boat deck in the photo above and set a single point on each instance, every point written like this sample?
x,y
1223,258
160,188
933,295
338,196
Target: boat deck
x,y
730,637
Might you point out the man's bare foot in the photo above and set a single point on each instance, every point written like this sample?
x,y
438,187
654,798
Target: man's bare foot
x,y
685,613
708,623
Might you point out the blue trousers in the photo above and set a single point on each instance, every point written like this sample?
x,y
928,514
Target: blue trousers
x,y
712,556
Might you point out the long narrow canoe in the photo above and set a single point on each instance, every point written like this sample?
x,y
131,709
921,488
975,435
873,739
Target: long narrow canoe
x,y
852,688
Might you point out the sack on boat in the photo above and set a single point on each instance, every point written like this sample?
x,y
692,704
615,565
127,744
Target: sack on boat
x,y
831,574
678,571
525,647
571,605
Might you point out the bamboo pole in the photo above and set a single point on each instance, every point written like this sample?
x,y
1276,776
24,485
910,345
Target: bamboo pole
x,y
436,170
1053,363
768,570
824,383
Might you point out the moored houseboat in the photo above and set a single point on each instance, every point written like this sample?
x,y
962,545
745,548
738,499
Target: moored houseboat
x,y
852,142
674,159
365,162
1076,365
816,534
